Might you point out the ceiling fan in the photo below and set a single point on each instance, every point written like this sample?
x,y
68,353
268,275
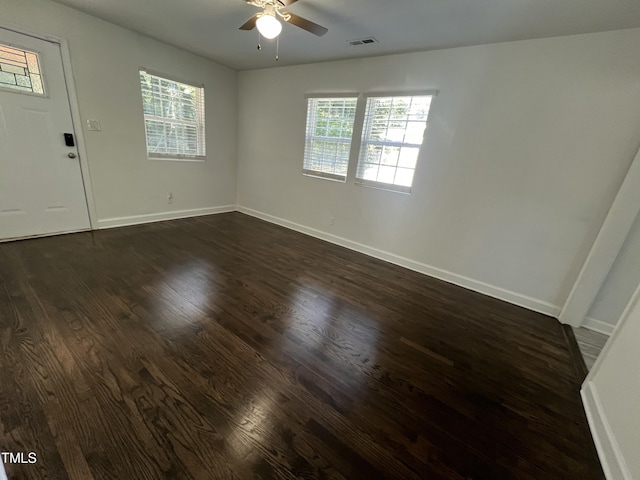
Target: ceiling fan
x,y
267,21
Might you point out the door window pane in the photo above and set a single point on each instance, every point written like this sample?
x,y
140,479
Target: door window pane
x,y
20,70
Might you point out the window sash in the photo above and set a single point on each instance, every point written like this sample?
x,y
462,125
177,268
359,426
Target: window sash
x,y
155,118
181,112
383,124
171,138
341,117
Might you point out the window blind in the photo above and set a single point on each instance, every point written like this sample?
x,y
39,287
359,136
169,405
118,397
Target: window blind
x,y
329,131
174,118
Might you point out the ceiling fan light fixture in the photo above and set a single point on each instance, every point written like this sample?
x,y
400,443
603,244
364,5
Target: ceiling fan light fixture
x,y
269,26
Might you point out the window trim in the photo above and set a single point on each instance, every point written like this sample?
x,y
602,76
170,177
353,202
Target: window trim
x,y
307,96
337,95
389,187
361,141
199,122
401,93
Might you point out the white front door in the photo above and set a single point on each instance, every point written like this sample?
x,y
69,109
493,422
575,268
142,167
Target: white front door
x,y
41,186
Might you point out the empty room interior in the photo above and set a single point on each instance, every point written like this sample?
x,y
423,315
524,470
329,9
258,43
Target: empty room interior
x,y
320,239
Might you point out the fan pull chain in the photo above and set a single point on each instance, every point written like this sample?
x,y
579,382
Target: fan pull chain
x,y
259,46
277,48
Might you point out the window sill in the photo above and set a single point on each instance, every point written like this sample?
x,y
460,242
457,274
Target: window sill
x,y
384,186
321,176
178,159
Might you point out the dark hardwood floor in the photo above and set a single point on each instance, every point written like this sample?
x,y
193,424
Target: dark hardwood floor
x,y
225,347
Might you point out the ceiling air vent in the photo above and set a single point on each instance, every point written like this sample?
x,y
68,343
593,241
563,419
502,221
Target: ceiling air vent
x,y
362,41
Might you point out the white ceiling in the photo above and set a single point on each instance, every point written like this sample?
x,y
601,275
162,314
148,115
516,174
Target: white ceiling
x,y
210,27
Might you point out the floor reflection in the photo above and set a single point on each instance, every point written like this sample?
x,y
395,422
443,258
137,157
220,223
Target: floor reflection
x,y
324,324
187,291
251,425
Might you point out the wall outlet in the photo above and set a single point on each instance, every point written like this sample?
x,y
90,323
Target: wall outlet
x,y
170,198
332,221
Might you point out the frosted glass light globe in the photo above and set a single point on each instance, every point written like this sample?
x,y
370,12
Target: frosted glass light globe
x,y
269,26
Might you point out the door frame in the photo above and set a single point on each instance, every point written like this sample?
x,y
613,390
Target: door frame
x,y
74,108
606,248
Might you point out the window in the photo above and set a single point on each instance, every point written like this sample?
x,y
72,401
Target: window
x,y
173,118
20,70
392,135
328,136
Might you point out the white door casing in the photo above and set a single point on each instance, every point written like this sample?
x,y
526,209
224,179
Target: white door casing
x,y
41,185
605,249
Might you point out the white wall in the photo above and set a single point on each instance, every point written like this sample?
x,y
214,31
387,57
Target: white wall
x,y
528,145
619,286
611,394
105,60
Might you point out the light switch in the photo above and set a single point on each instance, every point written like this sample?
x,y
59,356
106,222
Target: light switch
x,y
93,125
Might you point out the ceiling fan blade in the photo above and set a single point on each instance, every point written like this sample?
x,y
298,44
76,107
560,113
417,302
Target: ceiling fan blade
x,y
286,3
251,23
307,25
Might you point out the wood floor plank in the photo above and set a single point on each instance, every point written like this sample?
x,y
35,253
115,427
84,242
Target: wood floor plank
x,y
225,347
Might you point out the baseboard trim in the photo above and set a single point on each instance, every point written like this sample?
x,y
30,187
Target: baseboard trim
x,y
160,217
43,235
460,280
611,458
598,326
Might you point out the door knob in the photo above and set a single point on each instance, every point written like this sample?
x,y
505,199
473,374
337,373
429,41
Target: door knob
x,y
71,155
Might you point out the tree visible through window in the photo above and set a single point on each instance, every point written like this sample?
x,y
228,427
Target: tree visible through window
x,y
391,139
328,136
173,117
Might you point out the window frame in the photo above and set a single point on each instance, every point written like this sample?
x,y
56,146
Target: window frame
x,y
308,138
199,122
364,133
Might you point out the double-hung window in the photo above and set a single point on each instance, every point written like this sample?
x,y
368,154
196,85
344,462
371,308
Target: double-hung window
x,y
173,118
392,135
328,136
